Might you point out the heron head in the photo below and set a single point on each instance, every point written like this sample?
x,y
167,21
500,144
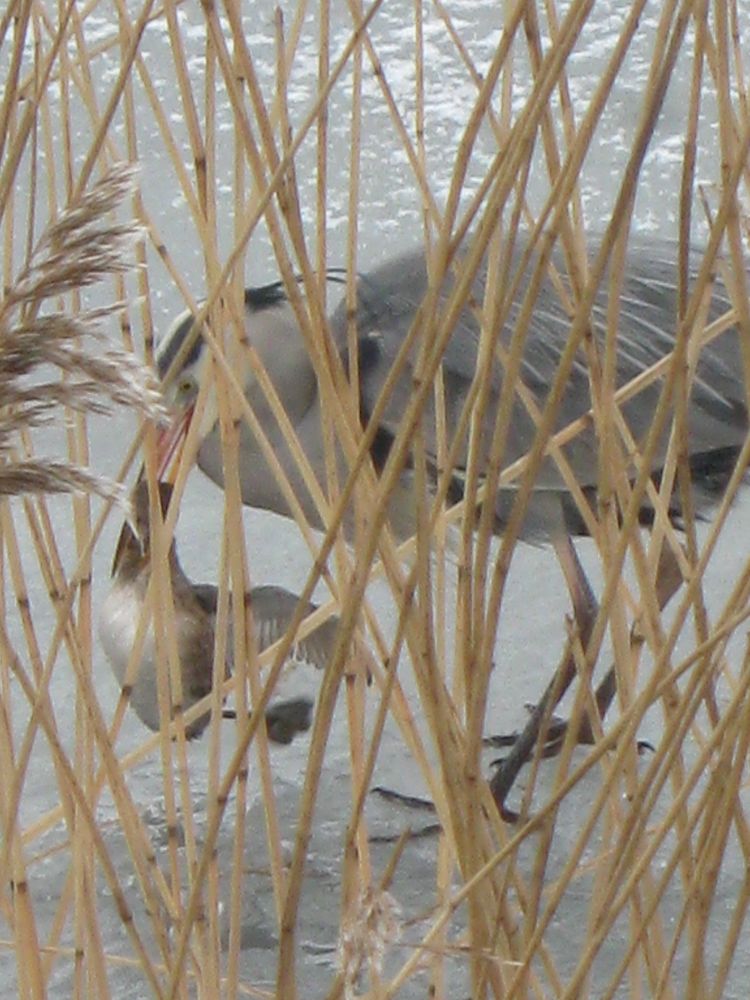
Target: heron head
x,y
183,363
270,336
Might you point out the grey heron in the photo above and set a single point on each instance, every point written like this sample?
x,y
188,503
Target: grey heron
x,y
387,302
195,625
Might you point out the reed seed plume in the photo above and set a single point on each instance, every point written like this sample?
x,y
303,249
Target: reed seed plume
x,y
373,926
83,245
92,376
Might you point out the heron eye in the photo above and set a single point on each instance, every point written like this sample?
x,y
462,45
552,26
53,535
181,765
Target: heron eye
x,y
185,385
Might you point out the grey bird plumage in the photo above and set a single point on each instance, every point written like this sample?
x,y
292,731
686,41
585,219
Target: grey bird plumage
x,y
387,302
717,415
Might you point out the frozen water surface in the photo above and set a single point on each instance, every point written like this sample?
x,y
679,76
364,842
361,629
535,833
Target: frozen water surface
x,y
531,629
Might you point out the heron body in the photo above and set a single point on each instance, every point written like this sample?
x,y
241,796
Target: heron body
x,y
388,299
195,609
717,415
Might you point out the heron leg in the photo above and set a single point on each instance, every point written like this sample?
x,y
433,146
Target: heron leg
x,y
668,582
541,720
585,610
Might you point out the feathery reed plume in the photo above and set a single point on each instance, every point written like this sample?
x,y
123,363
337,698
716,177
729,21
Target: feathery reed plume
x,y
372,926
81,247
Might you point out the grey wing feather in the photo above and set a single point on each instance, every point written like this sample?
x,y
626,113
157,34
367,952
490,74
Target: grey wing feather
x,y
390,296
273,609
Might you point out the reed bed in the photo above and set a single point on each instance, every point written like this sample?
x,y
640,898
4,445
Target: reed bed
x,y
144,866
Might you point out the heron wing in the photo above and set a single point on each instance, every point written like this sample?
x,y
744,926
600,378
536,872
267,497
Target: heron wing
x,y
389,297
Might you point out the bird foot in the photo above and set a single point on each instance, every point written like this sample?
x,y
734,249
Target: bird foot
x,y
284,720
552,738
408,802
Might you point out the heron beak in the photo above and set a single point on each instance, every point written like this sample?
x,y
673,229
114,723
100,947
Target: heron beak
x,y
171,443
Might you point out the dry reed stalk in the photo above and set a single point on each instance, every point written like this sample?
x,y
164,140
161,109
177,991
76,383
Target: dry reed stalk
x,y
126,807
233,957
357,872
59,263
73,253
618,843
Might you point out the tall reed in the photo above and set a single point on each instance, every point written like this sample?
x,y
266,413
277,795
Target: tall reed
x,y
627,874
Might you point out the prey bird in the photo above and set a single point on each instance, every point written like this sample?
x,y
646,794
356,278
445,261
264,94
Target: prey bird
x,y
195,608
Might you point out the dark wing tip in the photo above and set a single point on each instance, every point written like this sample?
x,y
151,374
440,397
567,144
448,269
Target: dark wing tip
x,y
265,296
